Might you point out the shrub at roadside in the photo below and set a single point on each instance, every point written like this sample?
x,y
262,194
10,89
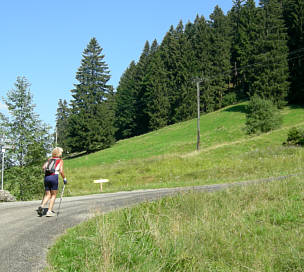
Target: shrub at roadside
x,y
262,116
25,183
295,137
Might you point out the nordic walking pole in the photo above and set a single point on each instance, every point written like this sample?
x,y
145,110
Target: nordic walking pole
x,y
60,200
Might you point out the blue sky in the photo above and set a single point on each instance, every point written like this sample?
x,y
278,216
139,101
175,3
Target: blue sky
x,y
44,40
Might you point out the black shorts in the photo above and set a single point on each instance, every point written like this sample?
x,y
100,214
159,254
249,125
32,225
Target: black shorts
x,y
51,182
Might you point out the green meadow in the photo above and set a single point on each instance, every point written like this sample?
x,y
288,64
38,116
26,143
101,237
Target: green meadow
x,y
168,157
254,228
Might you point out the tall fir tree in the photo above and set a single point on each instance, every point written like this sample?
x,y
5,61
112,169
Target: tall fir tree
x,y
220,56
30,136
91,122
294,17
201,44
270,77
243,18
141,79
178,58
157,98
125,98
169,56
62,116
185,89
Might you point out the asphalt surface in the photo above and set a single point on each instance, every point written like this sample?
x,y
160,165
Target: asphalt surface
x,y
25,237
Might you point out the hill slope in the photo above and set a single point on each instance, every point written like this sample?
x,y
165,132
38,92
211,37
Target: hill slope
x,y
167,157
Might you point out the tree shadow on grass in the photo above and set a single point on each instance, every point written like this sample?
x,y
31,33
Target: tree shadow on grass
x,y
295,106
237,108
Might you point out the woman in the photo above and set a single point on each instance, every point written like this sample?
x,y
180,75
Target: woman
x,y
51,181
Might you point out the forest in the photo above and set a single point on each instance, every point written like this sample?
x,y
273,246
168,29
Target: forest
x,y
252,50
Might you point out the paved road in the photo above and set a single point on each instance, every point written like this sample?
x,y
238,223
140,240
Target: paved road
x,y
25,237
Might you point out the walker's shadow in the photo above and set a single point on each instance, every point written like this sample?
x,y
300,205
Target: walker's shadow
x,y
43,213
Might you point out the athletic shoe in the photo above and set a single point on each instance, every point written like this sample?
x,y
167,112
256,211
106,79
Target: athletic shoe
x,y
40,211
50,214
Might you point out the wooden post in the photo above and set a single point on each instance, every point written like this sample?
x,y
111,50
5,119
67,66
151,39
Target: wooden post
x,y
198,115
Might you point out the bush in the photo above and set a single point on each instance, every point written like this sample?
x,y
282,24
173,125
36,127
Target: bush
x,y
295,137
25,183
229,99
262,116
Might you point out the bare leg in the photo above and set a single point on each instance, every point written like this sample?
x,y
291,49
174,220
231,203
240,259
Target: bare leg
x,y
53,198
46,198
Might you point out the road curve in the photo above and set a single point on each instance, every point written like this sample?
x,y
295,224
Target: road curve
x,y
25,237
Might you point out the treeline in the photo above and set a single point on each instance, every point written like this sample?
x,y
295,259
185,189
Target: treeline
x,y
253,50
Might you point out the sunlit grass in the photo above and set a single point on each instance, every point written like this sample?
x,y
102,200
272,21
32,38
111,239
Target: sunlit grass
x,y
254,228
257,228
168,157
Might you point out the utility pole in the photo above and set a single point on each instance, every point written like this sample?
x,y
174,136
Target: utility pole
x,y
4,146
198,81
2,171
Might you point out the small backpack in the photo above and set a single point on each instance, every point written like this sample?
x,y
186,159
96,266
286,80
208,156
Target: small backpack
x,y
51,166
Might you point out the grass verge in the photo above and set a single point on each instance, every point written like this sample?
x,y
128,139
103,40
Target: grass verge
x,y
254,228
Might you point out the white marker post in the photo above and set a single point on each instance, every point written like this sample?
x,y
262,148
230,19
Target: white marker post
x,y
101,181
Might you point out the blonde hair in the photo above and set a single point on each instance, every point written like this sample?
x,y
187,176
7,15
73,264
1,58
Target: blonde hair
x,y
57,152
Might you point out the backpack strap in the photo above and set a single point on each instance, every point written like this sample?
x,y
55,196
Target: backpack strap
x,y
58,160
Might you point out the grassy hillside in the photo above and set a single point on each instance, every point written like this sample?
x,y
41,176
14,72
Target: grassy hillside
x,y
256,228
168,157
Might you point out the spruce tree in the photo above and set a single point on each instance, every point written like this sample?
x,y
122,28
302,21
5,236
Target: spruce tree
x,y
270,76
201,44
91,123
169,56
30,136
141,116
125,99
157,97
178,58
294,18
62,117
243,18
185,107
220,55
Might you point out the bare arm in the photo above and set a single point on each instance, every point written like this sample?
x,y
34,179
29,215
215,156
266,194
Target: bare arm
x,y
61,169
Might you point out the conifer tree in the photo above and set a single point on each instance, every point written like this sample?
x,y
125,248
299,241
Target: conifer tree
x,y
294,17
243,17
169,56
31,138
157,97
91,123
178,58
125,99
141,116
220,55
269,79
201,44
62,116
185,89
